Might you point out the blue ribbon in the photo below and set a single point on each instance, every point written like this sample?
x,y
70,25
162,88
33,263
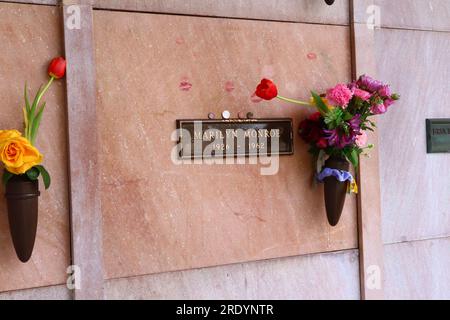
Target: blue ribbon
x,y
340,175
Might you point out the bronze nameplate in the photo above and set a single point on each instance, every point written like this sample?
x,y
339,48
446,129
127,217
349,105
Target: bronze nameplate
x,y
235,138
438,135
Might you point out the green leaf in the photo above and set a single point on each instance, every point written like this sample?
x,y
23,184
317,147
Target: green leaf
x,y
35,102
319,103
32,112
346,129
334,118
347,116
27,102
36,123
6,176
33,173
45,176
352,156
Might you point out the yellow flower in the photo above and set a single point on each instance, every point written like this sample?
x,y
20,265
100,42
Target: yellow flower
x,y
8,134
17,154
313,103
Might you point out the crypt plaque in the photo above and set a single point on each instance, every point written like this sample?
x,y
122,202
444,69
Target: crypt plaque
x,y
234,138
438,135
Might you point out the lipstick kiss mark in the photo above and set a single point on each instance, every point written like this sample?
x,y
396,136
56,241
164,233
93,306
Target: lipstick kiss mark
x,y
185,85
229,86
311,56
255,99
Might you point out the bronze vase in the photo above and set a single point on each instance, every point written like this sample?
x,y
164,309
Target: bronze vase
x,y
334,190
22,201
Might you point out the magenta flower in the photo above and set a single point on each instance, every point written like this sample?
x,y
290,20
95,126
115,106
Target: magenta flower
x,y
355,123
362,94
368,83
339,95
385,91
388,102
378,108
352,86
337,138
334,138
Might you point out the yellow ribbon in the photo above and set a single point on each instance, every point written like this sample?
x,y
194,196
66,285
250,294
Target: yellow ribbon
x,y
352,187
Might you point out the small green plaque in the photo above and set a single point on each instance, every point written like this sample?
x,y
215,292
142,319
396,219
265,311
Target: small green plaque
x,y
438,135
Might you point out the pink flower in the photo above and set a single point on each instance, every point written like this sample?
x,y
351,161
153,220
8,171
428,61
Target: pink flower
x,y
368,83
385,91
378,108
362,94
339,95
361,140
388,102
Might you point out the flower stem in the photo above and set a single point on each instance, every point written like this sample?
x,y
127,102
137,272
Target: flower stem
x,y
36,102
294,101
39,97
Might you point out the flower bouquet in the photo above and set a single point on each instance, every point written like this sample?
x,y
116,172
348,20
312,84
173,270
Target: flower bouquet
x,y
337,132
22,162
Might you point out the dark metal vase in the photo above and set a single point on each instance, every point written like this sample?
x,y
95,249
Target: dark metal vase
x,y
334,190
22,200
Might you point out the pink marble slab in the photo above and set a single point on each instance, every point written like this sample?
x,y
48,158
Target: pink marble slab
x,y
417,205
319,276
153,69
30,37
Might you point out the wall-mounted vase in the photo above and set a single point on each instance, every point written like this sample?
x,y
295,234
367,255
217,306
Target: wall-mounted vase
x,y
334,190
22,201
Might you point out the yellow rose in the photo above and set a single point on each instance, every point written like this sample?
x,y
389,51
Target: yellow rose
x,y
18,155
8,134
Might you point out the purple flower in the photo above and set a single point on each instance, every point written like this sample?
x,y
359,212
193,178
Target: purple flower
x,y
378,108
333,137
338,139
352,86
385,91
368,83
388,102
355,123
362,94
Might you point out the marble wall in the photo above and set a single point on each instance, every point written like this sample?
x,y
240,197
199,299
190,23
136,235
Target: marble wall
x,y
59,292
318,276
422,179
161,217
156,227
416,185
285,10
149,228
30,37
418,269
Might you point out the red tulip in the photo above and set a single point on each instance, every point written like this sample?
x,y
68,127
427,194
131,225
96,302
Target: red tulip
x,y
57,68
266,90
